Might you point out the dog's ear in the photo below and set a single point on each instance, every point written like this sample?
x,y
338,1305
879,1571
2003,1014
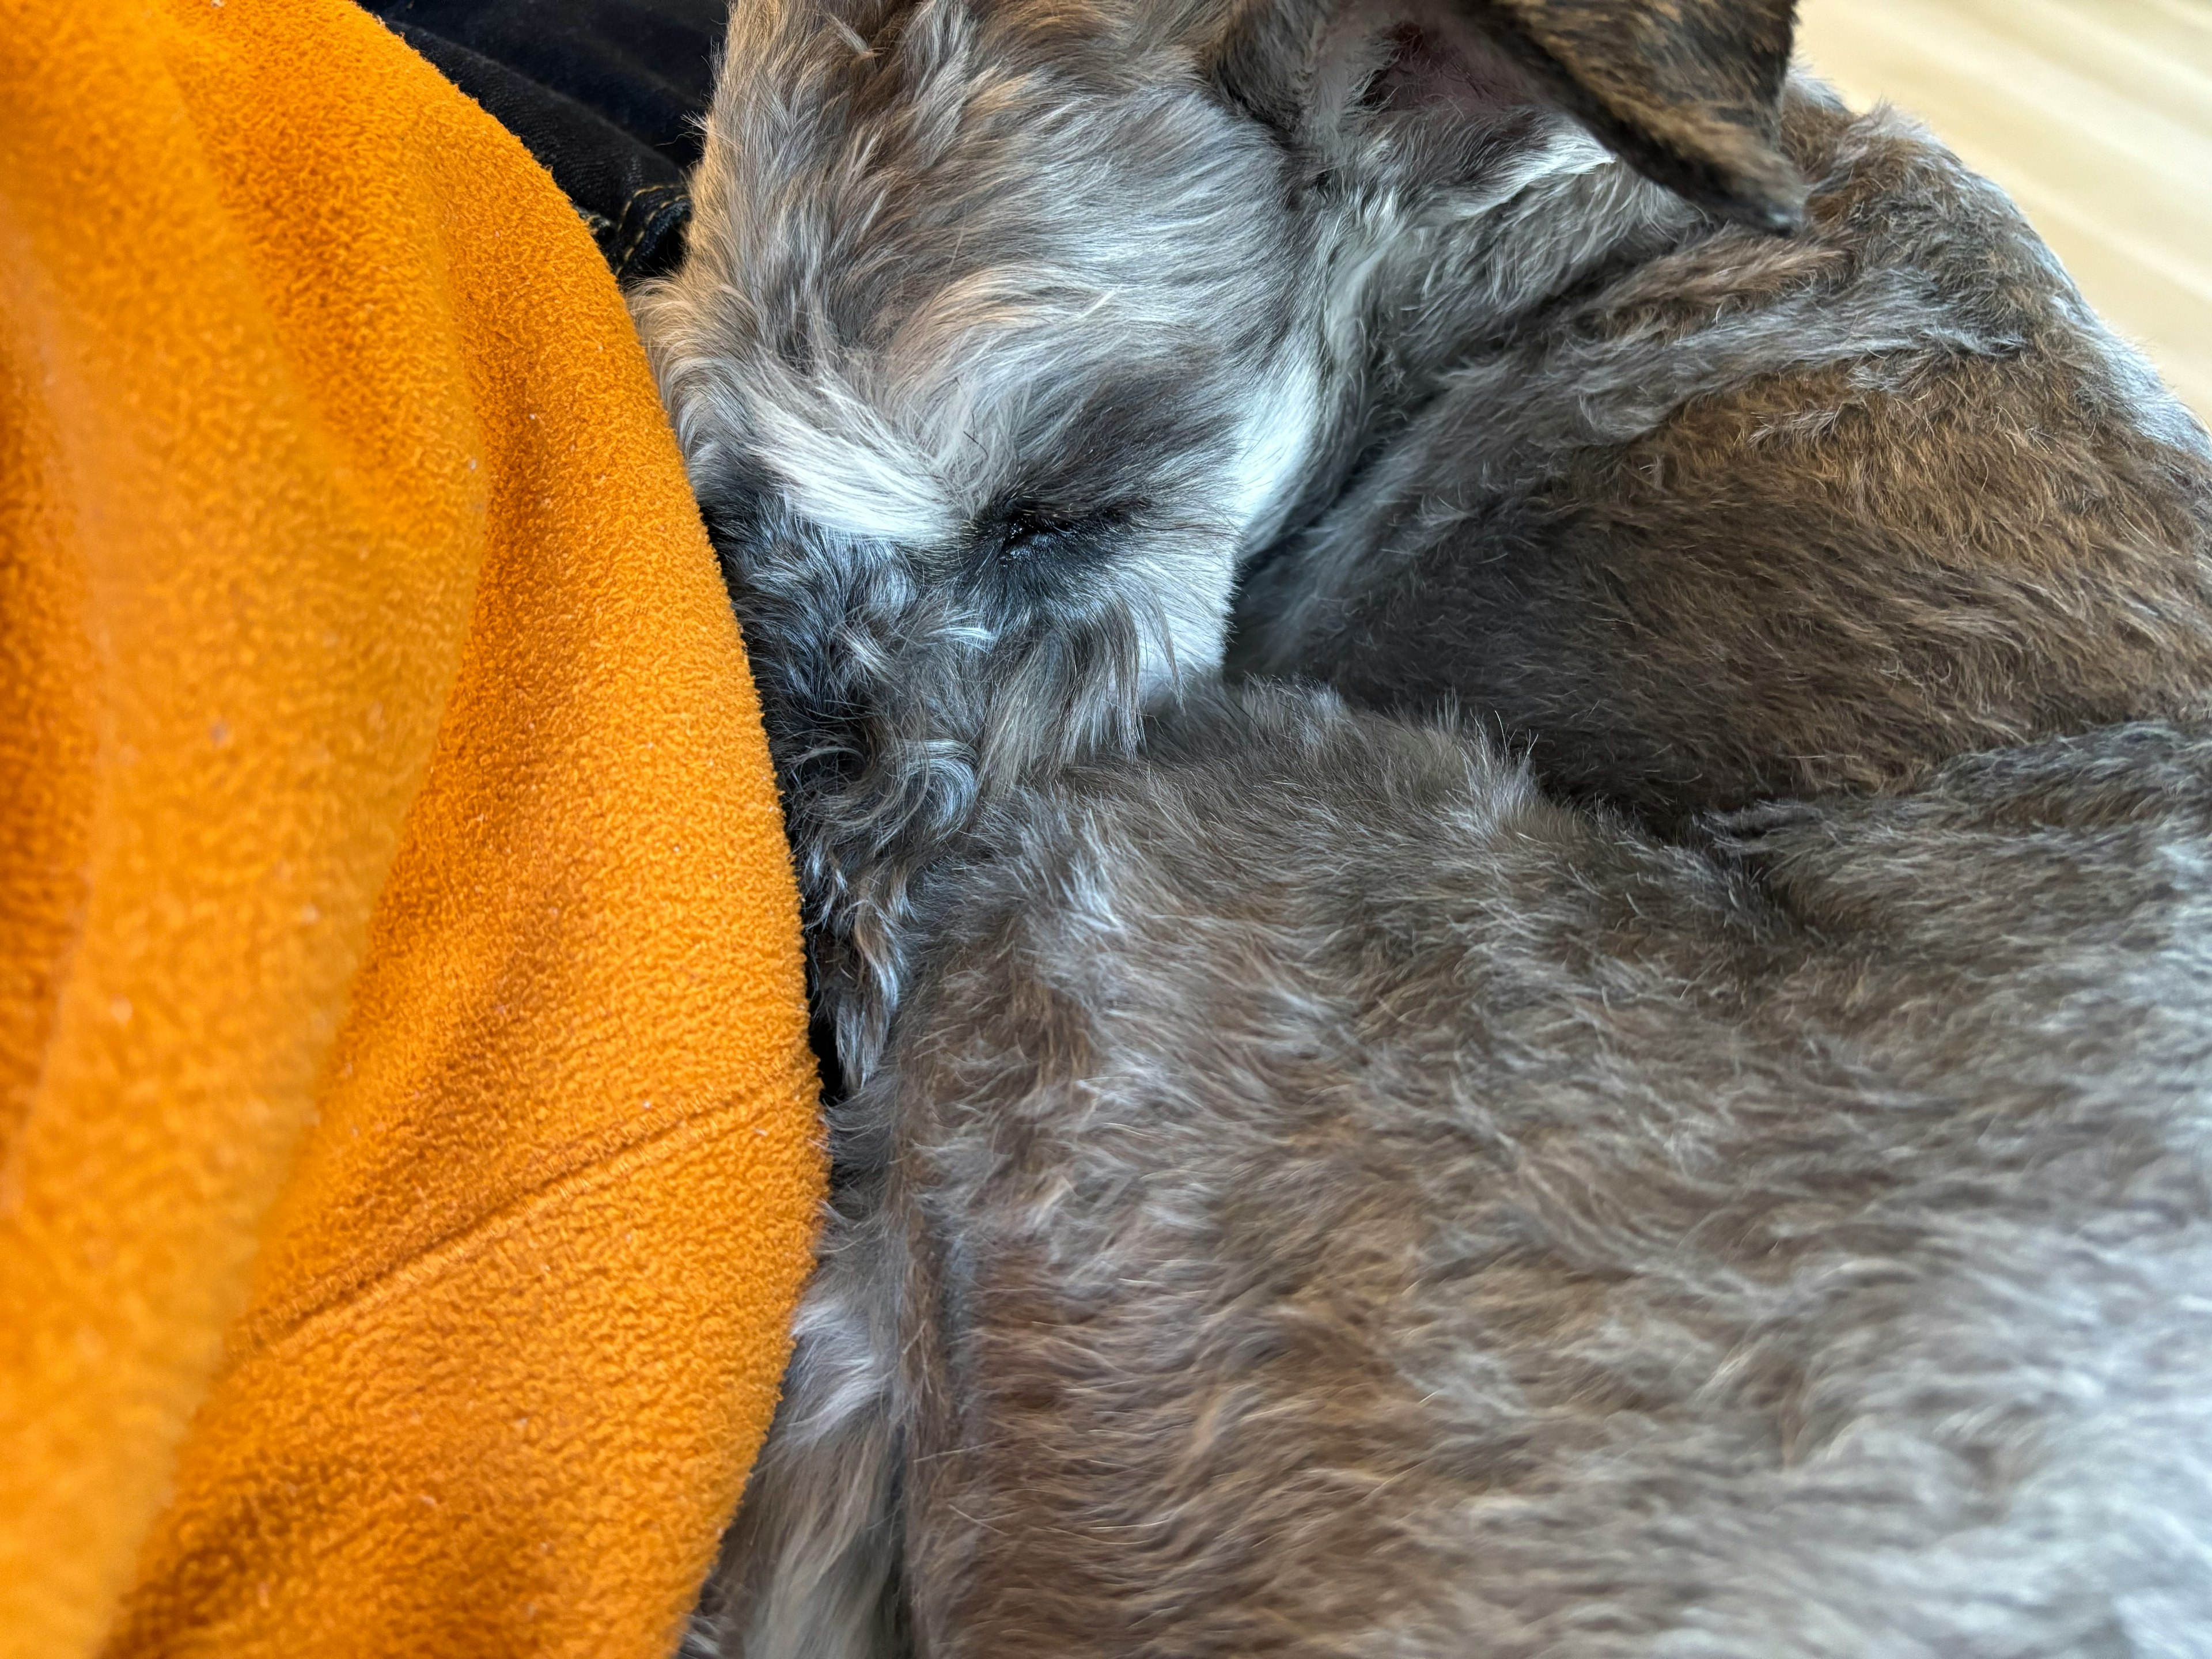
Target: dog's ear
x,y
1685,91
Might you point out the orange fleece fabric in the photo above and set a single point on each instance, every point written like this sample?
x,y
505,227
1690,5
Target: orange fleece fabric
x,y
408,1157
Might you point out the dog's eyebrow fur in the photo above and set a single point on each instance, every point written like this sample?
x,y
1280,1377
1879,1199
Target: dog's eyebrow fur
x,y
1133,423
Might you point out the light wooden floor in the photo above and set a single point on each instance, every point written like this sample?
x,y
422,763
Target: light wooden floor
x,y
2096,115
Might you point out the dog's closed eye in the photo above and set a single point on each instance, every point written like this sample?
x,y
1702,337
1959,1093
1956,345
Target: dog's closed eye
x,y
1024,532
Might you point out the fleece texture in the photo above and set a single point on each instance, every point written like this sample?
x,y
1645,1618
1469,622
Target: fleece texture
x,y
408,1157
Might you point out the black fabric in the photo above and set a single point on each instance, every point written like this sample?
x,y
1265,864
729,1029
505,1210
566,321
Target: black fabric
x,y
607,94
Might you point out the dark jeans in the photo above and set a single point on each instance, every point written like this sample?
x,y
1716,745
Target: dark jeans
x,y
607,94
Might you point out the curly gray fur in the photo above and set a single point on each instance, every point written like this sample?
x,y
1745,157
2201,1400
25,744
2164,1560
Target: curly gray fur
x,y
1334,1201
1303,1190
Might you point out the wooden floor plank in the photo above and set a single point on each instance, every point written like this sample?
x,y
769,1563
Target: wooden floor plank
x,y
2096,116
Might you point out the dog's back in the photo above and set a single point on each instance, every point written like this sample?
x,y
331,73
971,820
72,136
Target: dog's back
x,y
1328,1200
1753,517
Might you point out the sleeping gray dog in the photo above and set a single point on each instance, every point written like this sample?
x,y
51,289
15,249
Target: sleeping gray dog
x,y
1302,1191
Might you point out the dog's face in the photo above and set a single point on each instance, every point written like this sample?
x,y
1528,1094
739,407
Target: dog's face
x,y
995,341
987,320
